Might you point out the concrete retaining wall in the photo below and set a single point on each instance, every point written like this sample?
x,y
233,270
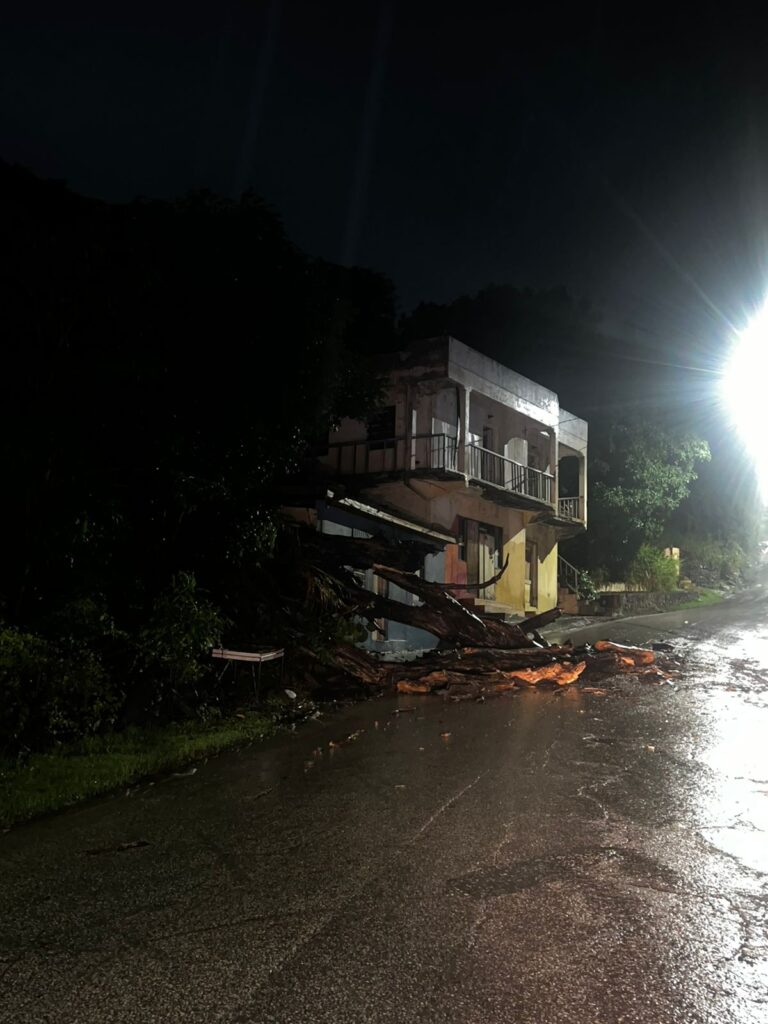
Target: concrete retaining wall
x,y
636,602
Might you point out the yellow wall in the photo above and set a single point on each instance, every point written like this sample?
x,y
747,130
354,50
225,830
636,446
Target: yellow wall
x,y
546,541
510,589
548,577
438,505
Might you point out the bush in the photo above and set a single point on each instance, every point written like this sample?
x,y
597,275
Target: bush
x,y
52,692
652,570
709,561
173,650
587,586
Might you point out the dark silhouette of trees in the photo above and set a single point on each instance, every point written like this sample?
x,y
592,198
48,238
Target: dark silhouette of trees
x,y
165,363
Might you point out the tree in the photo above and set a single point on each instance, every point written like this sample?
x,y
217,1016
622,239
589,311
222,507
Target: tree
x,y
170,361
640,473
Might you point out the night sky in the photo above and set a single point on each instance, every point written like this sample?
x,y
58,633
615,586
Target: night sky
x,y
447,145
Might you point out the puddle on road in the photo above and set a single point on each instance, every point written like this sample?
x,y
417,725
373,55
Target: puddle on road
x,y
730,674
749,846
736,661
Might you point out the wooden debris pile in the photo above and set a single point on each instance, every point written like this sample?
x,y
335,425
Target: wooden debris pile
x,y
478,655
469,672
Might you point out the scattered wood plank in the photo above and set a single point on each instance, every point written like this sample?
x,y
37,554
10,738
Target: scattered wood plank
x,y
561,672
630,655
405,686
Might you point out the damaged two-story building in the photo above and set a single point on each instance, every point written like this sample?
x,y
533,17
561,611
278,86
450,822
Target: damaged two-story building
x,y
477,463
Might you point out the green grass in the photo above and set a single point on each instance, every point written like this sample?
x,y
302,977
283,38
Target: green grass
x,y
48,782
705,597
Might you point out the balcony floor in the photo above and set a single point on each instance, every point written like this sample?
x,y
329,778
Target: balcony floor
x,y
511,499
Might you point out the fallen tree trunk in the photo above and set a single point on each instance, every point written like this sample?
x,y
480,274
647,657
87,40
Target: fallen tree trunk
x,y
476,586
478,654
447,624
476,672
452,621
480,660
360,665
537,622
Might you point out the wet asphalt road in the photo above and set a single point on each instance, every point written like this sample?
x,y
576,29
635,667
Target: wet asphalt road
x,y
545,857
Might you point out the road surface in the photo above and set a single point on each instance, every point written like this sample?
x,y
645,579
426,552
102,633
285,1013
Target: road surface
x,y
540,858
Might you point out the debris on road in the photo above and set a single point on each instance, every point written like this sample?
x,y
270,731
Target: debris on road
x,y
477,655
135,844
347,739
470,672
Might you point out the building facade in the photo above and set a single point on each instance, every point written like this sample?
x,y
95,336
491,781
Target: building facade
x,y
476,461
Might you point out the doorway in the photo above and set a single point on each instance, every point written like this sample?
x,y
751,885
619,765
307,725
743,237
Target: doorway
x,y
531,574
489,544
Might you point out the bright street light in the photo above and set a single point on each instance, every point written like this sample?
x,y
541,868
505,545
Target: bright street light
x,y
744,394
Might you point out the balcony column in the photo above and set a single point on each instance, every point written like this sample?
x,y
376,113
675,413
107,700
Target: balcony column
x,y
463,439
583,487
554,461
409,455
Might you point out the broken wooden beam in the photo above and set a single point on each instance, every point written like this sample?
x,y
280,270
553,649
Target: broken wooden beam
x,y
452,621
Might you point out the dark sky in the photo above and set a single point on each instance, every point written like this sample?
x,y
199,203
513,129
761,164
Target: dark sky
x,y
449,145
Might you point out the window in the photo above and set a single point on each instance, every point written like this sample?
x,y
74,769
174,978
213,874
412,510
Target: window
x,y
462,539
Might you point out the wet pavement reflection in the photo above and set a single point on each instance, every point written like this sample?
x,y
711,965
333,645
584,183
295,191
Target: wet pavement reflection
x,y
550,856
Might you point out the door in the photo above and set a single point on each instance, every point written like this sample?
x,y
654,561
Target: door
x,y
531,573
516,449
469,549
488,551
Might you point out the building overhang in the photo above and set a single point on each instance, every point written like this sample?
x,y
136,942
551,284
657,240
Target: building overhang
x,y
421,530
565,527
511,499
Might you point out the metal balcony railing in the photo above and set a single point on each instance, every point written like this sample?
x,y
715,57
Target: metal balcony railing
x,y
492,468
438,452
386,455
567,575
569,508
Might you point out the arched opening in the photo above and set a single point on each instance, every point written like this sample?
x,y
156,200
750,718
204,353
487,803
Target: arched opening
x,y
569,476
569,498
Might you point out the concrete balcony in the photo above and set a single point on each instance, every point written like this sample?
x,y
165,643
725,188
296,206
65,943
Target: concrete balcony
x,y
441,456
420,453
512,479
568,516
571,508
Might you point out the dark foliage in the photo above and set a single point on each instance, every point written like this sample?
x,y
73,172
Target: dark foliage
x,y
166,364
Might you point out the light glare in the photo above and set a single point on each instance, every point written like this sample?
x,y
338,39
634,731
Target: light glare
x,y
743,392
